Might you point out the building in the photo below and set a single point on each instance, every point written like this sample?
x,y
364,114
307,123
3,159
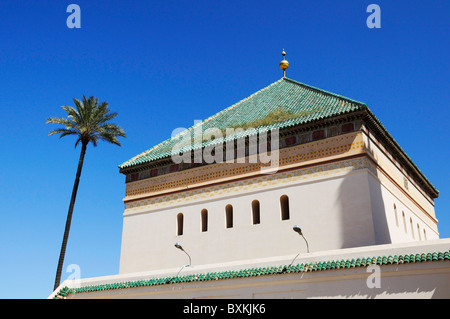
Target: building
x,y
228,191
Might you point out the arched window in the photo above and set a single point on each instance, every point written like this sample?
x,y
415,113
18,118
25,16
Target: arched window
x,y
412,228
284,204
418,232
424,234
396,215
204,215
179,224
255,212
229,216
404,222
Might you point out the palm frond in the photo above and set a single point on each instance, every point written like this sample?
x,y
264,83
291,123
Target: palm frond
x,y
72,114
68,123
89,120
63,132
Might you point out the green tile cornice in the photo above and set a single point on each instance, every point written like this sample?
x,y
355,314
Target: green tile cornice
x,y
262,271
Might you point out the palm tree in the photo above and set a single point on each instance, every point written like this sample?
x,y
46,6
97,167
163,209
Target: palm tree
x,y
89,121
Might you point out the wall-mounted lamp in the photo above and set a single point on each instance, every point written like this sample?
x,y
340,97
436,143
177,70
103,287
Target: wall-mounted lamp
x,y
177,245
298,230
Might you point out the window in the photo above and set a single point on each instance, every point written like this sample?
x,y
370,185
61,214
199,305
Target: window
x,y
284,204
418,232
396,215
348,127
318,134
229,216
179,224
404,222
291,140
204,215
412,228
255,212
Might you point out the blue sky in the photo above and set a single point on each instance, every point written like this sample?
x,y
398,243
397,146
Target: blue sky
x,y
163,64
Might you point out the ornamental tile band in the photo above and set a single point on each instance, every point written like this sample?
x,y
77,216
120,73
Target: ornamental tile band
x,y
340,145
263,271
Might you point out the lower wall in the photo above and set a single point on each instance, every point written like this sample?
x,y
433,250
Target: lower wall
x,y
403,277
395,281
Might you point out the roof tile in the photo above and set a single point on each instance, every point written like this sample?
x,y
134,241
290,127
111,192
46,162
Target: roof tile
x,y
302,104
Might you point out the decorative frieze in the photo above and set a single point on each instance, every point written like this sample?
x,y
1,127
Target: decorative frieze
x,y
283,179
295,155
288,139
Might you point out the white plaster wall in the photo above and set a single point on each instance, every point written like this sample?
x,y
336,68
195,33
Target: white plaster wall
x,y
334,213
390,221
411,196
410,202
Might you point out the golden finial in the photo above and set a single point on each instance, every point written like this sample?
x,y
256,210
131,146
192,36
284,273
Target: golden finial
x,y
284,64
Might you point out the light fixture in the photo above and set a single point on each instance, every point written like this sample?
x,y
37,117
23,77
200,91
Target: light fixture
x,y
298,230
177,245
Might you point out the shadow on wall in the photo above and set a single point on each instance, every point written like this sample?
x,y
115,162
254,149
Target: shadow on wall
x,y
361,206
418,286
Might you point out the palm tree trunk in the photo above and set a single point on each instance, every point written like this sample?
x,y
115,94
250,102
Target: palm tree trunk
x,y
69,217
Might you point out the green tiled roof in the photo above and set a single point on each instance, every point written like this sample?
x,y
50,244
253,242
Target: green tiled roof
x,y
263,271
300,102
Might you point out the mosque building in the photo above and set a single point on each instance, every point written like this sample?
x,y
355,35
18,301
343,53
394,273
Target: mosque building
x,y
292,192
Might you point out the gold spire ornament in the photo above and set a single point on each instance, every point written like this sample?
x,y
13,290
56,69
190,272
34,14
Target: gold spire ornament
x,y
284,64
